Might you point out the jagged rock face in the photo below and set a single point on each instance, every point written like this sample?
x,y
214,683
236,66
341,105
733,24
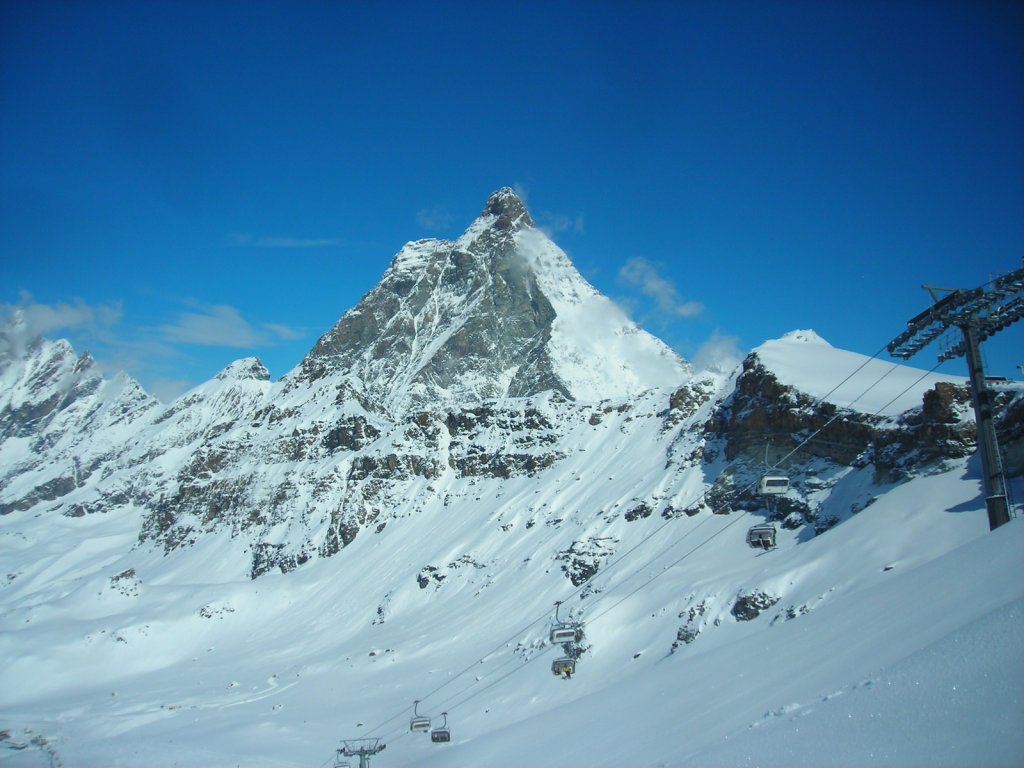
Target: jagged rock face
x,y
53,404
457,323
766,417
943,429
764,423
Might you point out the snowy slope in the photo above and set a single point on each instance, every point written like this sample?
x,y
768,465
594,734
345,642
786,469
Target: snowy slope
x,y
122,656
874,385
597,351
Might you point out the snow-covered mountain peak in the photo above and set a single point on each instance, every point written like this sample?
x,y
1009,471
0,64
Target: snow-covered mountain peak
x,y
246,368
804,360
804,337
501,311
507,210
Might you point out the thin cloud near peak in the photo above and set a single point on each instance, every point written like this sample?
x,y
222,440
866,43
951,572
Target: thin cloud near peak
x,y
245,240
644,277
437,218
221,325
28,319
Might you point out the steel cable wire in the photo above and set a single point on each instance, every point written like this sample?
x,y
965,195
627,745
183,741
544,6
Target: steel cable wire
x,y
648,537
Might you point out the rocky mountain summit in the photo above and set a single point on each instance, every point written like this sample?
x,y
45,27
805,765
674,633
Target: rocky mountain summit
x,y
472,367
500,312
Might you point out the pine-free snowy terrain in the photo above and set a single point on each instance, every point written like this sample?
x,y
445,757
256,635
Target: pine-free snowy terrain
x,y
895,640
171,594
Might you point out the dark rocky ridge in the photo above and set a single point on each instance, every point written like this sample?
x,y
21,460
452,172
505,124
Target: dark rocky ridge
x,y
494,318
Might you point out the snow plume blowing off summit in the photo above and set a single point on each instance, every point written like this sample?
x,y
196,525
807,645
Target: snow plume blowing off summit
x,y
499,312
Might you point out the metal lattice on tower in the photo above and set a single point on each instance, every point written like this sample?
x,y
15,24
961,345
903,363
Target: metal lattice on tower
x,y
978,313
364,749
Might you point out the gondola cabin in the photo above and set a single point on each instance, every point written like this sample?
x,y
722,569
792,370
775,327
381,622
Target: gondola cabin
x,y
563,668
565,633
773,484
761,537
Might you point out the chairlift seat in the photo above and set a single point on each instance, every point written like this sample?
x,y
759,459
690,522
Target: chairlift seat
x,y
773,484
419,724
558,667
761,537
565,633
440,735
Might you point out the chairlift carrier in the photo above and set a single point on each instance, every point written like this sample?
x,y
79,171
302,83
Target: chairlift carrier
x,y
443,734
559,666
418,723
762,536
771,485
564,631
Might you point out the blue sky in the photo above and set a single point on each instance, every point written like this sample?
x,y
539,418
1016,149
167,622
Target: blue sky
x,y
186,183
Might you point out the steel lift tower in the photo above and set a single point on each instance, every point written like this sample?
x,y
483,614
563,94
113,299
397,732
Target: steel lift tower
x,y
978,314
364,749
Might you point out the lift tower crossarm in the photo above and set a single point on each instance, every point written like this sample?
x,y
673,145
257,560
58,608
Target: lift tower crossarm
x,y
364,749
978,313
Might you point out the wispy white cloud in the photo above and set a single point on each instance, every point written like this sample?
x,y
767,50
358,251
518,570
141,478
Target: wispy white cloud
x,y
221,325
521,192
166,390
551,222
720,353
154,355
28,319
245,240
437,218
283,332
556,223
643,276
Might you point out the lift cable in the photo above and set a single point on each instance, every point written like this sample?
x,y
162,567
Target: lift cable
x,y
657,530
691,551
673,564
749,485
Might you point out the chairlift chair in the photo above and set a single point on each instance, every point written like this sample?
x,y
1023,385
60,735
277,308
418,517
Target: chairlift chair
x,y
443,734
762,536
564,631
559,667
771,485
418,723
